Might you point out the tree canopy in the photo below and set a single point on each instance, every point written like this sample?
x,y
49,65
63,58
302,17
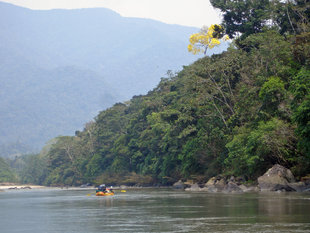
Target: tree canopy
x,y
207,38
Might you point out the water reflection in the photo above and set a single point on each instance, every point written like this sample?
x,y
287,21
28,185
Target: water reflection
x,y
281,207
153,211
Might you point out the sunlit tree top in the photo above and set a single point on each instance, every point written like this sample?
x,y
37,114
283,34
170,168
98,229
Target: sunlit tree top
x,y
206,38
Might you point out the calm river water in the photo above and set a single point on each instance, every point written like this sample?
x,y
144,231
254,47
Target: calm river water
x,y
151,210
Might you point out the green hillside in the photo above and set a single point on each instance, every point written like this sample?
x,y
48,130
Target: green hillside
x,y
6,173
236,113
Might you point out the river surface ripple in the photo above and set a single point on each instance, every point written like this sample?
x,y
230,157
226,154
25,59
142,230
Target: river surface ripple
x,y
151,210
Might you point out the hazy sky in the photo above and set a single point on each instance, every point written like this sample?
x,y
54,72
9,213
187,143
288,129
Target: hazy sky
x,y
184,12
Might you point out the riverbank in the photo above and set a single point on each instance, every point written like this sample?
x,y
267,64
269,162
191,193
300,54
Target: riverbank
x,y
13,186
276,179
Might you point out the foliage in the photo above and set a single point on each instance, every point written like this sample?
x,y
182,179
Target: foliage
x,y
251,150
206,39
272,94
6,173
293,16
63,161
245,17
301,106
34,170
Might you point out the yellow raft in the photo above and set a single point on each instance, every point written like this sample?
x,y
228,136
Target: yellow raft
x,y
101,193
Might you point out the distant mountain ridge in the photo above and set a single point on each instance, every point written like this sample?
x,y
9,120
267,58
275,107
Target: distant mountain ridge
x,y
59,68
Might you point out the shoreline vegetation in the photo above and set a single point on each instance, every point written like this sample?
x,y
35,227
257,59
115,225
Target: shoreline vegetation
x,y
276,179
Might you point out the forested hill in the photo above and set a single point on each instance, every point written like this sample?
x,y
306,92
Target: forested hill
x,y
59,68
6,173
236,113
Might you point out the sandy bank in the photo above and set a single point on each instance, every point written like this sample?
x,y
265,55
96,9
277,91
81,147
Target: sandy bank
x,y
19,186
12,186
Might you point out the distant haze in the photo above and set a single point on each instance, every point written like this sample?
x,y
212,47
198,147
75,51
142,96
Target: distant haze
x,y
183,12
59,68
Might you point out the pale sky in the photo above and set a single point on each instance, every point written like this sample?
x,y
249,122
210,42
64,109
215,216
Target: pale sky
x,y
183,12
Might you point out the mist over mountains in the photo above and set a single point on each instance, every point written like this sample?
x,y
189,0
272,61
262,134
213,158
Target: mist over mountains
x,y
59,68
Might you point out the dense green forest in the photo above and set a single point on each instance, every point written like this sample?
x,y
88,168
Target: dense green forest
x,y
6,173
237,113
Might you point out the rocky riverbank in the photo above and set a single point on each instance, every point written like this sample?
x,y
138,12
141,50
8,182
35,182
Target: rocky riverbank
x,y
276,179
13,186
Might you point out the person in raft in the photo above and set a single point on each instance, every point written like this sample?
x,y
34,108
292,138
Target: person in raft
x,y
110,190
102,188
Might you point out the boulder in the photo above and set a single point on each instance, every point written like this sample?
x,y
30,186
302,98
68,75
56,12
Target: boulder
x,y
282,188
232,179
240,180
211,182
248,189
215,184
232,187
179,185
275,176
306,179
193,187
210,185
300,186
220,184
210,189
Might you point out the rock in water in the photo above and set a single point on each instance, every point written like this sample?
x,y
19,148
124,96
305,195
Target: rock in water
x,y
215,184
193,187
179,185
275,177
232,187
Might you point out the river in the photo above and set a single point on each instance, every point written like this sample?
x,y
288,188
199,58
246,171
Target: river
x,y
151,210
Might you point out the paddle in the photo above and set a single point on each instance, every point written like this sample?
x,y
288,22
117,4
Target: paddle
x,y
117,190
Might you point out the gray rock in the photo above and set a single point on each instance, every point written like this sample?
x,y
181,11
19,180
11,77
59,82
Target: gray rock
x,y
232,187
179,185
220,184
232,179
248,189
210,185
193,187
300,186
277,175
306,180
282,188
211,182
240,180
